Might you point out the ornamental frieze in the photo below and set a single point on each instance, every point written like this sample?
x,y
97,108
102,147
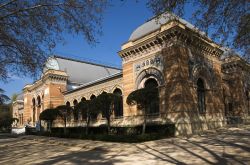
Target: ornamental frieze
x,y
155,61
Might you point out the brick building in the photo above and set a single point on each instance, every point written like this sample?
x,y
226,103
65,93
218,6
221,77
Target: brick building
x,y
200,83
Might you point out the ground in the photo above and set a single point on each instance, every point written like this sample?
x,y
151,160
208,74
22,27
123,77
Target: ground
x,y
229,145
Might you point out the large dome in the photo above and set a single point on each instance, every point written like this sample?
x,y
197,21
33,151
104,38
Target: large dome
x,y
155,23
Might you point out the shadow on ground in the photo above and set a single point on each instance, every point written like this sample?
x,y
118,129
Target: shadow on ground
x,y
224,146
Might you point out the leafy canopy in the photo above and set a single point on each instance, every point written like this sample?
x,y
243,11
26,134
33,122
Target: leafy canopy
x,y
49,114
142,97
3,98
30,29
226,21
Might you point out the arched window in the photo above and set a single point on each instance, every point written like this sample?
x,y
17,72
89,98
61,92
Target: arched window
x,y
118,106
75,102
33,102
68,103
34,109
201,96
38,101
154,104
92,97
150,83
83,99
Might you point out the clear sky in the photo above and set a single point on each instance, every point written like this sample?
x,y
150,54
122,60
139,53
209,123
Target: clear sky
x,y
119,22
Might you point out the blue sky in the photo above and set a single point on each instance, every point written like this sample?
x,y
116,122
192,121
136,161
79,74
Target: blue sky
x,y
119,22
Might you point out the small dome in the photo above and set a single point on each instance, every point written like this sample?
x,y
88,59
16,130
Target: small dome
x,y
155,24
51,63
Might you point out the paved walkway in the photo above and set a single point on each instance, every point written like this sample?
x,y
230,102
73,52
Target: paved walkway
x,y
224,146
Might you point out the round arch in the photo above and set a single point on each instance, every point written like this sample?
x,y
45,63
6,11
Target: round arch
x,y
92,97
83,99
68,103
38,100
200,71
147,74
75,102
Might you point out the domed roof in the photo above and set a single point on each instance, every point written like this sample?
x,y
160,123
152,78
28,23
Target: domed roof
x,y
155,24
80,72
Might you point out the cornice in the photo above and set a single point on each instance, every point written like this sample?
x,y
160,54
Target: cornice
x,y
163,38
50,75
235,63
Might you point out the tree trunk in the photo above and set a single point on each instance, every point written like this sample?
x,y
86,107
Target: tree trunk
x,y
144,120
108,126
50,125
144,124
87,126
64,130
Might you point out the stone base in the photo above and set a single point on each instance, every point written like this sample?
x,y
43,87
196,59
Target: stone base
x,y
186,127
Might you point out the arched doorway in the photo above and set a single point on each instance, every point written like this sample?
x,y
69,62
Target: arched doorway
x,y
118,106
154,104
201,96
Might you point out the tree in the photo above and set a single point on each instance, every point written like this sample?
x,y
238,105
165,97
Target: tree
x,y
64,112
30,29
6,119
14,97
105,103
3,98
227,22
87,108
143,98
49,115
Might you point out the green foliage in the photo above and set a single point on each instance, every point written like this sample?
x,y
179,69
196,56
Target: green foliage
x,y
119,134
30,29
5,123
14,97
105,103
142,97
3,98
49,115
87,108
64,111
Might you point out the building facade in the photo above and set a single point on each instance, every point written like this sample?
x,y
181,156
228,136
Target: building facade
x,y
199,83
